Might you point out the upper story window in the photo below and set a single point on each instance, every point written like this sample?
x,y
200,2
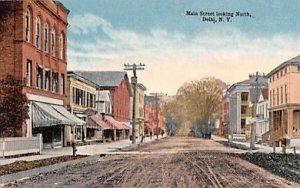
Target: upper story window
x,y
285,70
39,77
53,42
61,46
27,26
47,80
46,34
37,32
62,84
54,82
28,72
298,68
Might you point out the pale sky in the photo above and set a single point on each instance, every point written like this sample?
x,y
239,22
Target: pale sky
x,y
176,48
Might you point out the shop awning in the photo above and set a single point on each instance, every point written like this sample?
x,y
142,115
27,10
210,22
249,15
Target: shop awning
x,y
117,124
98,120
46,115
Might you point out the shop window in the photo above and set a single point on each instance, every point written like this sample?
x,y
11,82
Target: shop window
x,y
78,133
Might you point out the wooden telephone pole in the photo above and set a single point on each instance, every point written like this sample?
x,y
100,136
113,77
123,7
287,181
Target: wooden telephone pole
x,y
134,68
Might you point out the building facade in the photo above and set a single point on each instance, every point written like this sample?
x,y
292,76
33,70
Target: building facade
x,y
262,113
81,95
117,83
33,49
139,110
239,97
284,103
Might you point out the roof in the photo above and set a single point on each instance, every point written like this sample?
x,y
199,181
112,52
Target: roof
x,y
58,3
293,61
103,78
140,85
80,78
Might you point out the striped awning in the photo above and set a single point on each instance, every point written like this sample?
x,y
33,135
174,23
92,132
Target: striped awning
x,y
46,115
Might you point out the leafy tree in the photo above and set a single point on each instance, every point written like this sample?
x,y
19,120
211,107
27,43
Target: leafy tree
x,y
196,104
13,106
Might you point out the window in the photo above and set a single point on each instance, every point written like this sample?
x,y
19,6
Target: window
x,y
243,109
298,68
281,95
243,126
270,98
53,43
47,80
244,96
61,46
74,95
62,84
28,73
286,94
46,33
91,100
277,96
39,77
54,82
285,70
273,97
37,32
281,73
27,26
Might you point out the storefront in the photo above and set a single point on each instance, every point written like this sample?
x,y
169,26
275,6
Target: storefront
x,y
54,123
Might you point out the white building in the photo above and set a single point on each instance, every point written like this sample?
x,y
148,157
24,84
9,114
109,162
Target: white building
x,y
262,122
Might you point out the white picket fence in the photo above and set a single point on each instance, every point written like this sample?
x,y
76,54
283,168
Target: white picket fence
x,y
21,145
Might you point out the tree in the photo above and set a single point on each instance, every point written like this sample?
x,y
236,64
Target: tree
x,y
196,104
13,106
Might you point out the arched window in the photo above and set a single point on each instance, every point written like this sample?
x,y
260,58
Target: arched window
x,y
46,33
53,42
37,32
61,45
27,25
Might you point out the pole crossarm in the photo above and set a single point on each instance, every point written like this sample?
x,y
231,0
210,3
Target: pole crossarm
x,y
134,81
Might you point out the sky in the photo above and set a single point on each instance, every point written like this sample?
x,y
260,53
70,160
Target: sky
x,y
176,47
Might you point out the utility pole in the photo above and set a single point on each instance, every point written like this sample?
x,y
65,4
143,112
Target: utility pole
x,y
253,128
134,68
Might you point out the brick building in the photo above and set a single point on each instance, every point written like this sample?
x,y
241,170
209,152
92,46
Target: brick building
x,y
118,84
33,49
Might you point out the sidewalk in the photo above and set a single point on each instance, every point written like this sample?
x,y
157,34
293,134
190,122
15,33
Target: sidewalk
x,y
100,148
260,148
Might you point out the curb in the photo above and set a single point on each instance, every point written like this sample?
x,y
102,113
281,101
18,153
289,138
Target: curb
x,y
36,171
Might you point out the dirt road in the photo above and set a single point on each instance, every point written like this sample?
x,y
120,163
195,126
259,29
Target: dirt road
x,y
172,162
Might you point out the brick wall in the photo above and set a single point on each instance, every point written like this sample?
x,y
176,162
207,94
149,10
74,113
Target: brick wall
x,y
16,51
121,102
